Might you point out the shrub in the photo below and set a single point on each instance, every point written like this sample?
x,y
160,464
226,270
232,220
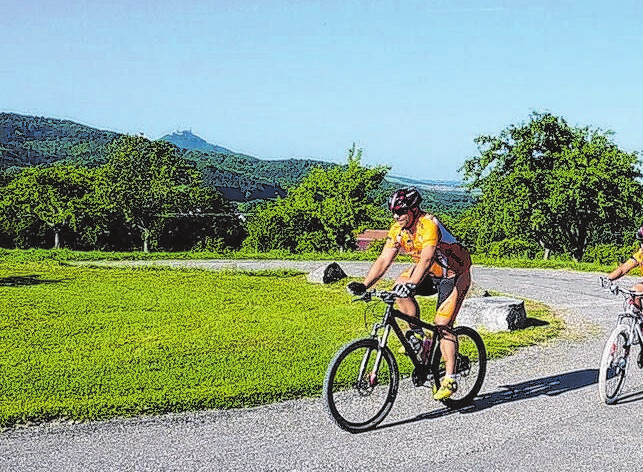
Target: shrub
x,y
375,248
607,254
512,248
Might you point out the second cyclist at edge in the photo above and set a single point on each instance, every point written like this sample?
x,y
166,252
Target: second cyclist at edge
x,y
636,260
441,265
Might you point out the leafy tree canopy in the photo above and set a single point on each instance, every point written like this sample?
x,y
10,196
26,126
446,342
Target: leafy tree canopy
x,y
145,181
59,196
556,184
324,212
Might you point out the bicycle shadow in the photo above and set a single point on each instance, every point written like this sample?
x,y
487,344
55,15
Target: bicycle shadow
x,y
24,280
630,398
550,386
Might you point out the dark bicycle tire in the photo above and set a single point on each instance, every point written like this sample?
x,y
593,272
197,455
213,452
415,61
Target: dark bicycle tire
x,y
354,402
614,363
471,367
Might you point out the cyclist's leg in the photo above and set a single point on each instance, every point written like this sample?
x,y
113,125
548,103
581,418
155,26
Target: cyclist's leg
x,y
638,287
409,306
450,298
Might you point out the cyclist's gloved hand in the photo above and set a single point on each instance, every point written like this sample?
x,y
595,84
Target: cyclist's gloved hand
x,y
356,288
403,290
608,284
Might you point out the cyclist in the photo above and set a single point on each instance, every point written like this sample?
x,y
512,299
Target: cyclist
x,y
633,262
441,265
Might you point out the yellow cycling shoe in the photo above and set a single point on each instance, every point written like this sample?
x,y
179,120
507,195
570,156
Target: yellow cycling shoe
x,y
448,387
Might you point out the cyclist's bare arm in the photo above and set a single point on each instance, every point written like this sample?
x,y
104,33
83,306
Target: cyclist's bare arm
x,y
423,265
623,269
380,266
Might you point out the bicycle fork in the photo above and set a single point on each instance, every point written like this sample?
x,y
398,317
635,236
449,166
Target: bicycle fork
x,y
634,336
371,377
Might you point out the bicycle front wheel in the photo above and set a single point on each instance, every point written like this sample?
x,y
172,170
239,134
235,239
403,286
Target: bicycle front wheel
x,y
358,394
613,370
471,367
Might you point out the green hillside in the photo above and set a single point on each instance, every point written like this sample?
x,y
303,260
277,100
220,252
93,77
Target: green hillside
x,y
33,140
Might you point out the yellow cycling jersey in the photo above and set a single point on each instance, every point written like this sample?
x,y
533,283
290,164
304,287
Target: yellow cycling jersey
x,y
638,256
450,256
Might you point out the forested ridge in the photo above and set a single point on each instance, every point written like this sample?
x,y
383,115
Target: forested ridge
x,y
34,140
31,140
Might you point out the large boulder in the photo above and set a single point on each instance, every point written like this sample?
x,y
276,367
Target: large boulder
x,y
327,274
493,313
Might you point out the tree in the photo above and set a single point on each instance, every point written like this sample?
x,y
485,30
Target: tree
x,y
208,220
145,183
556,184
324,212
59,196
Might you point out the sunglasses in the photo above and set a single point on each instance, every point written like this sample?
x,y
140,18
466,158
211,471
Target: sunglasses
x,y
399,213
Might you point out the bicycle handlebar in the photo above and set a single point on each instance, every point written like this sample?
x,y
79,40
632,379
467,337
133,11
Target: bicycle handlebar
x,y
625,291
616,289
384,295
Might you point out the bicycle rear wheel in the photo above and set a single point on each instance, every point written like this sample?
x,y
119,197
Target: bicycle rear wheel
x,y
357,396
471,367
613,370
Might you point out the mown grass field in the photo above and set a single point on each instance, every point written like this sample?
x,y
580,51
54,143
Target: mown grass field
x,y
83,343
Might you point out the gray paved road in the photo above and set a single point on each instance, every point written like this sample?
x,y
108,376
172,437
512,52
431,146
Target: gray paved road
x,y
538,411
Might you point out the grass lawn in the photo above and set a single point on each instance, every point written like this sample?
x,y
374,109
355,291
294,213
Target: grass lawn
x,y
85,343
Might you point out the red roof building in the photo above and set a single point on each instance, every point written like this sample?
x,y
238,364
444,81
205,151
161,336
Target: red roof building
x,y
369,236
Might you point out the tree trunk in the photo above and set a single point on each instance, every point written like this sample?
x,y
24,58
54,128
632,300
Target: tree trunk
x,y
545,249
56,239
146,238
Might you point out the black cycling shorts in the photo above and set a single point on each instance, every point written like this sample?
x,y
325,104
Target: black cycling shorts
x,y
432,285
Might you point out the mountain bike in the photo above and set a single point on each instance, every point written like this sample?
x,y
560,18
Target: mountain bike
x,y
362,380
618,349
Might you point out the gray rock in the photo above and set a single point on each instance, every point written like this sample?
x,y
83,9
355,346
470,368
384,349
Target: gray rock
x,y
493,313
327,274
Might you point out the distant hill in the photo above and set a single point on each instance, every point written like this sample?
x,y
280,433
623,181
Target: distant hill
x,y
33,140
439,196
187,140
428,185
241,177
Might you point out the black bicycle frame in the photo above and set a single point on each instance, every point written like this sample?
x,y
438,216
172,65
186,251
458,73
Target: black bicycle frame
x,y
635,320
390,319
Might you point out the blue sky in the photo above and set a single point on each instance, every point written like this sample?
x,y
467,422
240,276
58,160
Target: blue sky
x,y
411,83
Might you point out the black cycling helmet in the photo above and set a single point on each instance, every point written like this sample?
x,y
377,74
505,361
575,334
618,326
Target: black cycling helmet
x,y
639,234
404,199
